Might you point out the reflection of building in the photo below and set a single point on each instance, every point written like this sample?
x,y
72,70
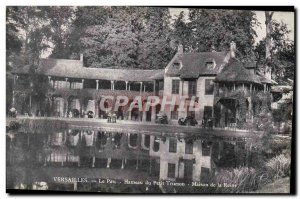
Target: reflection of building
x,y
180,158
222,86
166,158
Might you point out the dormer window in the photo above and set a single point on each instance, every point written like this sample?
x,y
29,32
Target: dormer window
x,y
210,64
176,65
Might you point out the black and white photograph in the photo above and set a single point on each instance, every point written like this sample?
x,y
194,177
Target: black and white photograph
x,y
150,99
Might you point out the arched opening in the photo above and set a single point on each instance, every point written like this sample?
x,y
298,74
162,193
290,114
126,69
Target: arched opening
x,y
156,144
117,140
102,139
73,107
133,140
75,113
147,141
157,109
135,114
90,114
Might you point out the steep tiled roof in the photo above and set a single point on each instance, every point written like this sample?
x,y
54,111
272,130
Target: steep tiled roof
x,y
234,71
75,69
194,64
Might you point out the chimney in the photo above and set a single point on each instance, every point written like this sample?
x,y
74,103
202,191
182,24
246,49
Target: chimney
x,y
180,49
213,48
81,57
232,49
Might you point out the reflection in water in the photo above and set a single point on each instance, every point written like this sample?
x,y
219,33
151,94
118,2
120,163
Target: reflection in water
x,y
37,158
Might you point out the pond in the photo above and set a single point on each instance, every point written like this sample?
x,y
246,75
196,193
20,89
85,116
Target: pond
x,y
80,159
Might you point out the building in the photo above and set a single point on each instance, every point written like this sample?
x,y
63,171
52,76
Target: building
x,y
214,86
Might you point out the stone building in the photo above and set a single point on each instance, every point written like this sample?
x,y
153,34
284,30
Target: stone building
x,y
214,81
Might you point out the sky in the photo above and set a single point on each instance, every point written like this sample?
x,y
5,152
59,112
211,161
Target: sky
x,y
286,17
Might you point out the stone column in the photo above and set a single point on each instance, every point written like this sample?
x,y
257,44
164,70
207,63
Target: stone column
x,y
122,167
112,85
144,88
153,114
108,163
144,115
154,87
66,82
93,163
97,84
137,164
96,109
126,85
49,79
82,81
141,87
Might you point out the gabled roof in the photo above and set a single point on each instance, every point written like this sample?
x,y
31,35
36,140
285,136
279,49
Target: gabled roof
x,y
234,71
75,69
194,64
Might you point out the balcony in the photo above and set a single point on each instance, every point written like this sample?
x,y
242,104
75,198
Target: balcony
x,y
89,92
226,93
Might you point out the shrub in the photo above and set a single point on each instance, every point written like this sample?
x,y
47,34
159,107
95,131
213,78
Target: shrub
x,y
279,166
249,179
243,178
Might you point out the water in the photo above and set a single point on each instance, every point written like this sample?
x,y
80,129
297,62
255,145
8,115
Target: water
x,y
94,160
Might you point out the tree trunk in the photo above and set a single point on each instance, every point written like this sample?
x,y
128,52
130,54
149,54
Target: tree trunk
x,y
268,22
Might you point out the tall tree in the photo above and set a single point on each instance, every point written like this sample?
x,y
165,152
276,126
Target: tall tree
x,y
13,41
275,53
60,19
181,33
268,43
215,29
134,37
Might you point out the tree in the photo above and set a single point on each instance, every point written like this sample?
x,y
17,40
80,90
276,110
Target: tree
x,y
133,37
276,53
60,20
215,29
14,43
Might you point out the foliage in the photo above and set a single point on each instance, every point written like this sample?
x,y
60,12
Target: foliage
x,y
282,52
133,37
226,26
279,166
249,179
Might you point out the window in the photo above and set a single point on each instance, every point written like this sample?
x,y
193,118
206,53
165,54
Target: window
x,y
209,87
175,86
205,148
189,147
59,84
205,175
171,170
176,65
174,113
207,112
173,145
192,87
76,85
210,64
190,113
